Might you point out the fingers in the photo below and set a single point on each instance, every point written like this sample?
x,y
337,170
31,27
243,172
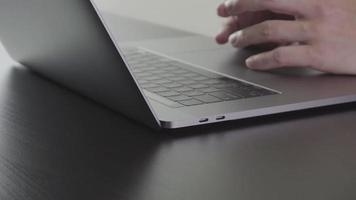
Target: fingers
x,y
274,31
290,7
231,26
222,11
289,56
236,23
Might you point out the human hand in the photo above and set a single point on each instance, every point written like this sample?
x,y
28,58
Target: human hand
x,y
241,21
322,35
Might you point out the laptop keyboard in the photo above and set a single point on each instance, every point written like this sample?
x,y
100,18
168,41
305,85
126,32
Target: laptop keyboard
x,y
178,84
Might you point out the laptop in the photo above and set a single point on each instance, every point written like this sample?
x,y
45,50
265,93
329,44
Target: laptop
x,y
163,83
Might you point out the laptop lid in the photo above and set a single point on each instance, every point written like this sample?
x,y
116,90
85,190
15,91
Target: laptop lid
x,y
66,41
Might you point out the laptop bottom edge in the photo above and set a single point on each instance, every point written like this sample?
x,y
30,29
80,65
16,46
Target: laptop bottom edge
x,y
256,112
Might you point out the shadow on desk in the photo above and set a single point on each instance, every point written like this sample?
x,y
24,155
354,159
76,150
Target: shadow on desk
x,y
55,144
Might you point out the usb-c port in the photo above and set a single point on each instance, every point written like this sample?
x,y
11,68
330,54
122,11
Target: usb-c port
x,y
220,118
204,120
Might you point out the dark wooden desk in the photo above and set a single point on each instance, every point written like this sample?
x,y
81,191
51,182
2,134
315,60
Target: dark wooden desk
x,y
56,145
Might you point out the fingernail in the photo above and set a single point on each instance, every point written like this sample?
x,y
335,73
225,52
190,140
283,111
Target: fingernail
x,y
229,5
250,62
234,38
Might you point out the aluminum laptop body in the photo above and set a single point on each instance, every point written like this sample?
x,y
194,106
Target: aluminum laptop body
x,y
69,42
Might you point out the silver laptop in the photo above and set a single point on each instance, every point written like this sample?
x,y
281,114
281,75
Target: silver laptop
x,y
166,83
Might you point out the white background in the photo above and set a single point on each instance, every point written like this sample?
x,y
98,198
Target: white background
x,y
193,15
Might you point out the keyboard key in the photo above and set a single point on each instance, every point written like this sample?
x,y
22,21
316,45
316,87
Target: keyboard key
x,y
162,81
181,71
209,89
135,63
157,89
173,81
187,82
198,86
158,72
151,78
167,75
179,98
193,93
163,100
149,69
143,74
142,82
168,93
149,85
177,78
161,65
152,63
169,68
138,70
183,89
173,85
207,98
192,102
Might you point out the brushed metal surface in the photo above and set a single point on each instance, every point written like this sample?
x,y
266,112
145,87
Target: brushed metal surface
x,y
67,42
299,88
